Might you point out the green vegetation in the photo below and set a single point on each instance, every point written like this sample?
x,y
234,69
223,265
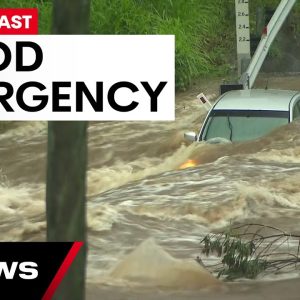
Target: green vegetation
x,y
251,249
201,47
204,30
203,41
237,255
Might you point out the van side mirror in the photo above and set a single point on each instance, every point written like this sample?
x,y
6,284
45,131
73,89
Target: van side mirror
x,y
190,136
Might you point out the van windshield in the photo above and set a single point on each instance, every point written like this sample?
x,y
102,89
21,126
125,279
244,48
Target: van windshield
x,y
242,125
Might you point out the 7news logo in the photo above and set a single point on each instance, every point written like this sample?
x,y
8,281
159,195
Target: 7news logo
x,y
34,270
18,21
26,270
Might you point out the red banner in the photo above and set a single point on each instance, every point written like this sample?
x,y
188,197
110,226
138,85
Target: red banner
x,y
18,21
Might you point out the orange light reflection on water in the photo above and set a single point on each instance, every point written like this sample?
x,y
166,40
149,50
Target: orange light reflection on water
x,y
189,164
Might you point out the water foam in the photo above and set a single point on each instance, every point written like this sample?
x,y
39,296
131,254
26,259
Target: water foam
x,y
150,264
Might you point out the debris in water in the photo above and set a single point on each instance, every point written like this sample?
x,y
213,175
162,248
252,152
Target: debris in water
x,y
251,249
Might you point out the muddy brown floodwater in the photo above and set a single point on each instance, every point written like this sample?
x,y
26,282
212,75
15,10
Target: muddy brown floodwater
x,y
146,216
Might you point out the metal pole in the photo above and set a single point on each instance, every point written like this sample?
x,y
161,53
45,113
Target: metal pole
x,y
277,20
242,35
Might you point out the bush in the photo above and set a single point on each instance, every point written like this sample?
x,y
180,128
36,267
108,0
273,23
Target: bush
x,y
203,34
198,26
248,250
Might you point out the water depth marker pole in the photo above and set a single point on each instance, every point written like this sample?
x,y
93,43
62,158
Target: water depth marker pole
x,y
242,35
270,32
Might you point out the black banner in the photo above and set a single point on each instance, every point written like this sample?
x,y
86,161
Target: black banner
x,y
33,270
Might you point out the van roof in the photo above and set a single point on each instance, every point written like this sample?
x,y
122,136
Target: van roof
x,y
256,99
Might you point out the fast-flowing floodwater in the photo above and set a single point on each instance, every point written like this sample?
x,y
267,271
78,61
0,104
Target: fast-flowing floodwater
x,y
140,200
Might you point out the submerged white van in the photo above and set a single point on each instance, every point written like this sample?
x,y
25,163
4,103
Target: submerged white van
x,y
241,115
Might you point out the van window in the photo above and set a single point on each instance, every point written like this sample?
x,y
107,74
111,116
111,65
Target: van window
x,y
296,110
242,125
